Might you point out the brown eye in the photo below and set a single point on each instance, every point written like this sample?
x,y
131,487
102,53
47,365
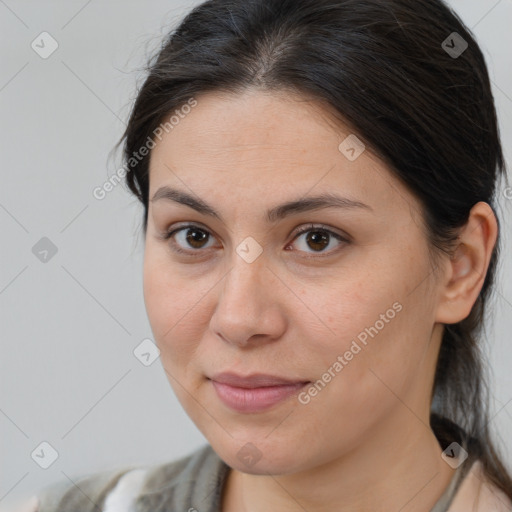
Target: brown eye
x,y
191,239
188,239
196,237
317,239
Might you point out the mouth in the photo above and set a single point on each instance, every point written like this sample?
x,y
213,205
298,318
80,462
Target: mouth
x,y
254,393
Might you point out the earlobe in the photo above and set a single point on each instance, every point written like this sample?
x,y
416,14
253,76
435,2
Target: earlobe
x,y
467,267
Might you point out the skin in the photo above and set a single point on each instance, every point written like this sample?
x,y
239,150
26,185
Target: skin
x,y
364,441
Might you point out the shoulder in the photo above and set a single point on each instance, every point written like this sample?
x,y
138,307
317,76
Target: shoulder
x,y
81,494
478,494
151,487
194,481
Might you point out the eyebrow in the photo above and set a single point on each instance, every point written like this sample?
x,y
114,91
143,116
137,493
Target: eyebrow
x,y
326,200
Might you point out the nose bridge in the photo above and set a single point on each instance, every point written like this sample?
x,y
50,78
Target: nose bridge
x,y
244,286
246,300
248,268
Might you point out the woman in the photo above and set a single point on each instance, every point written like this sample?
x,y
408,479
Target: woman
x,y
318,180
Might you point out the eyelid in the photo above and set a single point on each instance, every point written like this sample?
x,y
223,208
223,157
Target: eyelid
x,y
295,234
321,227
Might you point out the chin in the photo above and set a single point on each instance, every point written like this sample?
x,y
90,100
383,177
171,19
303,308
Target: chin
x,y
260,457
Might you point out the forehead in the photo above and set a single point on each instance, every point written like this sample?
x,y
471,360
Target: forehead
x,y
255,120
258,145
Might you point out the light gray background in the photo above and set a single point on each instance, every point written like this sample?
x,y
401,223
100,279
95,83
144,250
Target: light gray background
x,y
69,326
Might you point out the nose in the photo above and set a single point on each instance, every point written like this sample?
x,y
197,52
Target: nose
x,y
249,310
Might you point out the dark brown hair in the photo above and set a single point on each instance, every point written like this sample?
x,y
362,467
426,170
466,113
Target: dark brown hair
x,y
385,68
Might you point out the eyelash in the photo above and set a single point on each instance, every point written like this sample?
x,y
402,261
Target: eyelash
x,y
311,227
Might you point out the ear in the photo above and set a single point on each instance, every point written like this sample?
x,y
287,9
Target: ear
x,y
467,267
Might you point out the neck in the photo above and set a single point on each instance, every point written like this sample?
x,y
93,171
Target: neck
x,y
398,467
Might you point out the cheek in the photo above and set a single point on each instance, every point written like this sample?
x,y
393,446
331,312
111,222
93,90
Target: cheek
x,y
349,307
348,394
171,305
159,294
371,319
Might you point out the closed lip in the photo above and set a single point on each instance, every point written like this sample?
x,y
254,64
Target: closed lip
x,y
256,380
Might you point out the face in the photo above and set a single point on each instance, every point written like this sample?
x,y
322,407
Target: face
x,y
339,297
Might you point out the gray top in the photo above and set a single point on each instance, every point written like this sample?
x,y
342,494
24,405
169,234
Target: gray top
x,y
444,502
194,482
